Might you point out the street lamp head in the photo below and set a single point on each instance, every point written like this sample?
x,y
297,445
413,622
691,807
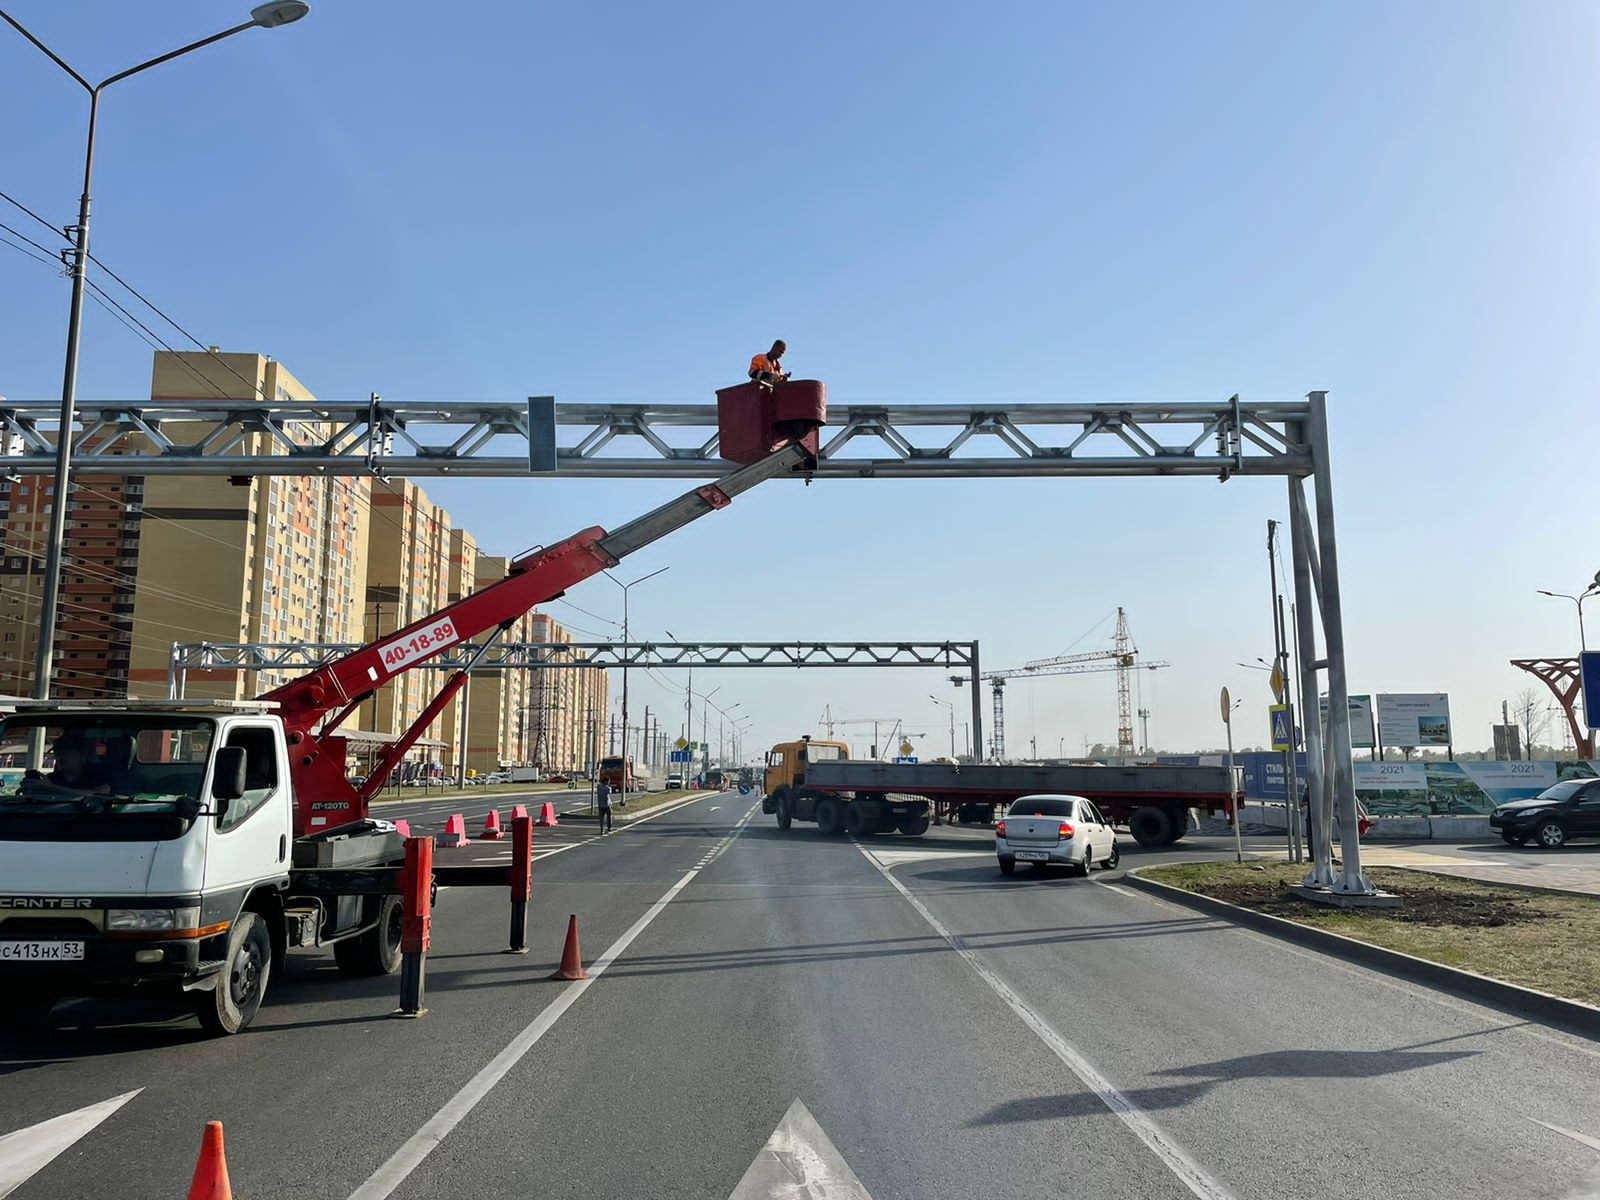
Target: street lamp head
x,y
1542,592
279,12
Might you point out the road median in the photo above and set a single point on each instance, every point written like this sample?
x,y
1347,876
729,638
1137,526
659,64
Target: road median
x,y
1531,951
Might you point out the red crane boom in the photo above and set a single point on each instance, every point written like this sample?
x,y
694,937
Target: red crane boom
x,y
315,705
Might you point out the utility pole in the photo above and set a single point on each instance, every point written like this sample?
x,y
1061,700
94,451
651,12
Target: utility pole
x,y
1144,730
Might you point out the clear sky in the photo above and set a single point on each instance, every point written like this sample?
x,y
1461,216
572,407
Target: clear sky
x,y
931,202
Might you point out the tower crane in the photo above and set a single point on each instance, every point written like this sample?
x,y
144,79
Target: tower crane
x,y
1122,657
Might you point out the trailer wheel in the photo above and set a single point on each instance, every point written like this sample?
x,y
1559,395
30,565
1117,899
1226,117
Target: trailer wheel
x,y
1150,827
785,817
828,816
242,982
913,826
377,951
855,821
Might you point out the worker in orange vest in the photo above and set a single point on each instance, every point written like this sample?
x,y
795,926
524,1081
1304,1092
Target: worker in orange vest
x,y
765,369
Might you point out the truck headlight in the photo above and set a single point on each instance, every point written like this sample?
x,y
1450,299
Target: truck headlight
x,y
152,920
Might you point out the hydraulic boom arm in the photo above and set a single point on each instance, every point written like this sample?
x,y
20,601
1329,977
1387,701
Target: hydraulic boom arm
x,y
314,706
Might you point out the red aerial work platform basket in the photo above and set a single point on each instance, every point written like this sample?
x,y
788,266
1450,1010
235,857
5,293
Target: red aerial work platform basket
x,y
754,421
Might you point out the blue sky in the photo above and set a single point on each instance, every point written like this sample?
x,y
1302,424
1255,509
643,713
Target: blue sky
x,y
930,202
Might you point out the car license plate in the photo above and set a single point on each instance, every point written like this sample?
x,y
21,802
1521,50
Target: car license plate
x,y
41,951
1033,855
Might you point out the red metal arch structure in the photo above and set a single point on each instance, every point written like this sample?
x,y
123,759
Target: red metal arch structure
x,y
1560,675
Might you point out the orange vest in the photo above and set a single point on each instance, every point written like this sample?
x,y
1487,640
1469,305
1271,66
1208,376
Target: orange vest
x,y
762,363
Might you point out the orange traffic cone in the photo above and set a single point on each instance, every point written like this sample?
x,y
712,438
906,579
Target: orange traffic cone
x,y
403,828
571,958
547,814
518,810
491,826
211,1172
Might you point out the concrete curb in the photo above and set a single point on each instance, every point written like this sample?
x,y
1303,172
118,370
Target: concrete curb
x,y
1572,1015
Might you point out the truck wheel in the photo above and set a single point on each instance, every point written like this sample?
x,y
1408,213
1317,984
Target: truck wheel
x,y
241,983
828,815
1180,825
377,951
855,821
913,826
785,817
1150,827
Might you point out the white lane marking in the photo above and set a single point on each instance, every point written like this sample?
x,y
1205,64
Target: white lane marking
x,y
714,808
1581,1138
799,1162
1118,889
899,858
1188,1172
26,1152
1486,1016
382,1182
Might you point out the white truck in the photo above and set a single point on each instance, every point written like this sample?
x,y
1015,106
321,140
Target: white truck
x,y
185,846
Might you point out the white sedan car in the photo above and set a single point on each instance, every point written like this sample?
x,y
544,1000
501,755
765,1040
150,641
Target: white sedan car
x,y
1055,830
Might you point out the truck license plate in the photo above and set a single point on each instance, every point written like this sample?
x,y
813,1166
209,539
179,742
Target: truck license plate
x,y
41,951
1033,855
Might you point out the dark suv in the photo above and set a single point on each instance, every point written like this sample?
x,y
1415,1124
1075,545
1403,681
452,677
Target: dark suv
x,y
1570,809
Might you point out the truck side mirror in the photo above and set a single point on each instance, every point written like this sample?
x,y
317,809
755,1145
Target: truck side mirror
x,y
227,778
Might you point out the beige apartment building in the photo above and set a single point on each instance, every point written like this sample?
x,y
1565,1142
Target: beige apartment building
x,y
272,559
257,559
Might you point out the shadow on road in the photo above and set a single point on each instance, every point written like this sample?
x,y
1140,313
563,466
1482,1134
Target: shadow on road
x,y
1278,1064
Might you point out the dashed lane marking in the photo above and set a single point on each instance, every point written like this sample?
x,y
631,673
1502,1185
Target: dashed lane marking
x,y
1177,1160
382,1182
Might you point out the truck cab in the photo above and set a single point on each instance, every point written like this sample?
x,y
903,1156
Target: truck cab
x,y
786,765
154,850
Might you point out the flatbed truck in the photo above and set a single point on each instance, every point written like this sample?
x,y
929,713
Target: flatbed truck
x,y
815,780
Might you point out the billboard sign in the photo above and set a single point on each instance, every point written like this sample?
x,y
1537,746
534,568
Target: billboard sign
x,y
1414,719
1361,724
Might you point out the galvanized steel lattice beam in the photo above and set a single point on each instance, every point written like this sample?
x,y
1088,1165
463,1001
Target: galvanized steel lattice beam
x,y
505,439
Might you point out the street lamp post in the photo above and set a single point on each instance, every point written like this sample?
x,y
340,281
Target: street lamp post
x,y
627,773
267,16
952,709
1591,590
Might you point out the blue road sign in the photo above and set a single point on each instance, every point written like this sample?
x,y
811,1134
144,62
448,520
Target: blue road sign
x,y
679,756
1282,732
1589,669
906,758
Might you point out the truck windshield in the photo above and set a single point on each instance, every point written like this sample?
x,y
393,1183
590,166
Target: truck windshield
x,y
104,764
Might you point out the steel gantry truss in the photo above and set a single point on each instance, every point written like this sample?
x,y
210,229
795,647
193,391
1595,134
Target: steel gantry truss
x,y
488,438
994,439
523,656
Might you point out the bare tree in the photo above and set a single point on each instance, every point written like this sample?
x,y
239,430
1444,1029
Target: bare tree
x,y
1530,712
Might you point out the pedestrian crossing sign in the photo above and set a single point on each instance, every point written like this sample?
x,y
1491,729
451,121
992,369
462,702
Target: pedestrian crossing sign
x,y
1282,726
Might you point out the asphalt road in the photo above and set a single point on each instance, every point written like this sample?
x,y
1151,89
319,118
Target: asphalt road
x,y
953,1033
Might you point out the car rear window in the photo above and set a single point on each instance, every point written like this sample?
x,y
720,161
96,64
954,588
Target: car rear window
x,y
1042,806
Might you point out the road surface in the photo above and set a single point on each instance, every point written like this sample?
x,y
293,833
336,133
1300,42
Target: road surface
x,y
894,1019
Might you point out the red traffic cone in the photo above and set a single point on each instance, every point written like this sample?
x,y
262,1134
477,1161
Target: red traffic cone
x,y
403,828
571,958
211,1172
547,814
518,810
491,826
455,832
